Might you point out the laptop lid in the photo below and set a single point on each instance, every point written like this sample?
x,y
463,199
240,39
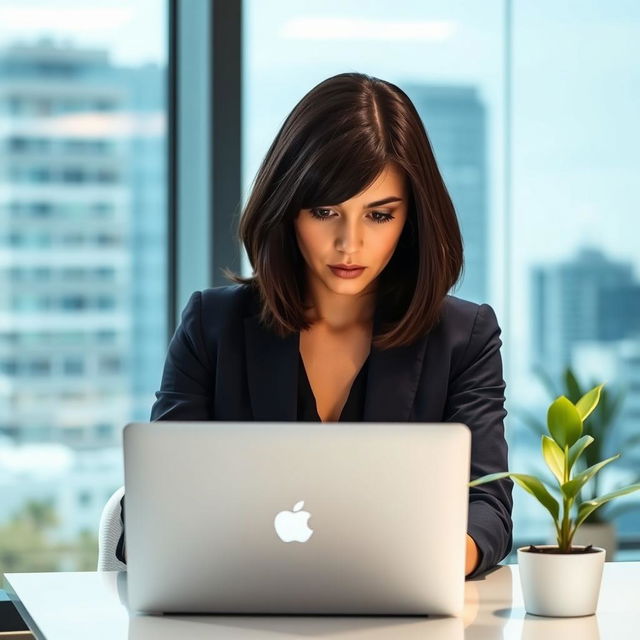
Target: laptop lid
x,y
296,517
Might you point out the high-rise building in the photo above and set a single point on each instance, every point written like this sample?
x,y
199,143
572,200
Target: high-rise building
x,y
619,312
568,306
82,243
455,120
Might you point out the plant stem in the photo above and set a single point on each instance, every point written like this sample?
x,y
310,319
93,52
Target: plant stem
x,y
564,539
564,527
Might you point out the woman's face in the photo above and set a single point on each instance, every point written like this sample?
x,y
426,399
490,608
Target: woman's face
x,y
363,231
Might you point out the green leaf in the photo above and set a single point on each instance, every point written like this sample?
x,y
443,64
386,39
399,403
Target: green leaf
x,y
528,483
571,488
577,448
554,457
572,385
589,402
591,505
489,478
563,419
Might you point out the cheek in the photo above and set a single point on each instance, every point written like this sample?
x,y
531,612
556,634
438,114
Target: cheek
x,y
315,236
310,240
386,243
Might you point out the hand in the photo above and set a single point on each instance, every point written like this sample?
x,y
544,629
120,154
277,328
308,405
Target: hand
x,y
472,557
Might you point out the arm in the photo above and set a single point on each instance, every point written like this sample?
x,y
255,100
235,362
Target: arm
x,y
186,390
476,398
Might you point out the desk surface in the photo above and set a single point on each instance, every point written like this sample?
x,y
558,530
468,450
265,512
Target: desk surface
x,y
65,606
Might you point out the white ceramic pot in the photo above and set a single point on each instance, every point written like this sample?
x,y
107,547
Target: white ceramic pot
x,y
560,584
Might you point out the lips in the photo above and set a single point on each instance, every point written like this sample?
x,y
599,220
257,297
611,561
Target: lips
x,y
349,271
346,267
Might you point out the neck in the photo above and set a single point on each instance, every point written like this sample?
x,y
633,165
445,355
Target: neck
x,y
340,312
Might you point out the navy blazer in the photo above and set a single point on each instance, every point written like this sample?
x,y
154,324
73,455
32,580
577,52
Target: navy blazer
x,y
222,364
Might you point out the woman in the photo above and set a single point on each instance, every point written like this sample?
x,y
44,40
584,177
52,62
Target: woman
x,y
354,244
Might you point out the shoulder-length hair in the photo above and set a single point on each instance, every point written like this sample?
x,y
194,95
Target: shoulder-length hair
x,y
334,143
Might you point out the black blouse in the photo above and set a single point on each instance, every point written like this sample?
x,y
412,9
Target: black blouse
x,y
307,412
353,408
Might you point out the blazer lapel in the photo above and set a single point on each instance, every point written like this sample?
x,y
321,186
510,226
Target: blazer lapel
x,y
272,370
392,380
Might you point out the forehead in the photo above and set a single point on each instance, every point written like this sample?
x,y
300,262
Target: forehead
x,y
389,182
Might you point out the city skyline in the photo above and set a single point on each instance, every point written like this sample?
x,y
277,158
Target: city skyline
x,y
574,162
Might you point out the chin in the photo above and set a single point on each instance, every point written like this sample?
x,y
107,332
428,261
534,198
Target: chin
x,y
347,287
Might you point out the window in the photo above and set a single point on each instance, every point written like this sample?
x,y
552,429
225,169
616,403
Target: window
x,y
545,192
73,366
573,249
77,187
39,367
110,364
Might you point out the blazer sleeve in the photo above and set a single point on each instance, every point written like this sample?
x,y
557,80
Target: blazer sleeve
x,y
188,378
476,398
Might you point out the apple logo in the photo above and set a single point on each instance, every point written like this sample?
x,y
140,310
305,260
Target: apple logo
x,y
292,525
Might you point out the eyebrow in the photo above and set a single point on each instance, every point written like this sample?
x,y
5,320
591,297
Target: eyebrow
x,y
379,203
384,201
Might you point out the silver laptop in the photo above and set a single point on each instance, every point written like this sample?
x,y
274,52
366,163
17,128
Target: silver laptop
x,y
296,517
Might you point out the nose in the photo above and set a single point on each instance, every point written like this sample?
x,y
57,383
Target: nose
x,y
349,238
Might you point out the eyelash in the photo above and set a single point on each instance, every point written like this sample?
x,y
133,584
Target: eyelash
x,y
387,216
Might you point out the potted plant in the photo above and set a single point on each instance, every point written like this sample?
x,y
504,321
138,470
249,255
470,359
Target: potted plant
x,y
563,579
599,528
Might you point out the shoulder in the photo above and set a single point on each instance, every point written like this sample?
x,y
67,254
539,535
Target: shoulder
x,y
224,305
456,309
466,328
465,314
210,312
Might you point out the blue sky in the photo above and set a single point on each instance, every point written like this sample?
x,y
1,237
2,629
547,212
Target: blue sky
x,y
133,30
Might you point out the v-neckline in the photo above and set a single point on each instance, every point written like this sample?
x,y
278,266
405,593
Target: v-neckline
x,y
356,380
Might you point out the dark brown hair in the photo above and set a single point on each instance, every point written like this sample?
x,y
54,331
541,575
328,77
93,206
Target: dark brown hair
x,y
333,145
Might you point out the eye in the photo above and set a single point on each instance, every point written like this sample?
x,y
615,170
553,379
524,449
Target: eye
x,y
386,217
318,213
379,217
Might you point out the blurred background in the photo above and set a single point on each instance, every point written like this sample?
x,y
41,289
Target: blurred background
x,y
131,131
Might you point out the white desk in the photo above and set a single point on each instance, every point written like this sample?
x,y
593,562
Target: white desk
x,y
66,606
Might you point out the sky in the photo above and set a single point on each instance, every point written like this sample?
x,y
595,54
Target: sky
x,y
134,31
576,96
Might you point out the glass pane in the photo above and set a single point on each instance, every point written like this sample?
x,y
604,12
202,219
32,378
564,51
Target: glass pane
x,y
82,263
447,56
563,256
575,296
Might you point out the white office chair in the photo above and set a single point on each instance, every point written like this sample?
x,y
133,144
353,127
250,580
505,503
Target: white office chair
x,y
109,534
